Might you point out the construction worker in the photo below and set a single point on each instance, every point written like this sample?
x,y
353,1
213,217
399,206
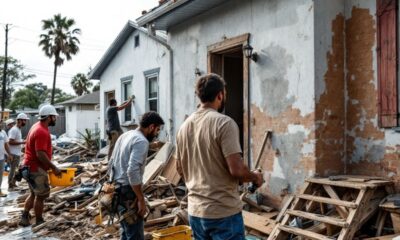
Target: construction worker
x,y
127,165
15,142
113,126
210,162
37,161
9,124
4,148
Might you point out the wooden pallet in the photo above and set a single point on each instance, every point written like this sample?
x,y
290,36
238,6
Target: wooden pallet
x,y
331,209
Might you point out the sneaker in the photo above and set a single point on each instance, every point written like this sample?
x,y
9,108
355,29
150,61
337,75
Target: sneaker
x,y
24,222
3,194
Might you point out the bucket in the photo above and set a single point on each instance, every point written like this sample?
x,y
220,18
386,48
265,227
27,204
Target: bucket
x,y
66,179
181,232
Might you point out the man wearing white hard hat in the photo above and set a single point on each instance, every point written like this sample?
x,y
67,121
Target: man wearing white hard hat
x,y
15,141
9,124
37,161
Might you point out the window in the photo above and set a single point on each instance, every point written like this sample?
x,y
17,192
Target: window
x,y
387,62
152,92
137,41
70,108
126,92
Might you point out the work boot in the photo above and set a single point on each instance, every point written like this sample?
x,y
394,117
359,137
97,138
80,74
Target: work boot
x,y
2,194
24,219
38,222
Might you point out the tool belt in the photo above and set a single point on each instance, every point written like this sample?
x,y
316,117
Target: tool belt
x,y
22,173
119,201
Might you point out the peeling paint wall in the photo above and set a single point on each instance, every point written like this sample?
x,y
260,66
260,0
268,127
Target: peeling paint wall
x,y
371,150
329,87
281,82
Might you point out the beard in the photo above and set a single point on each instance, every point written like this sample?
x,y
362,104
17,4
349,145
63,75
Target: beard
x,y
151,136
52,123
222,107
23,124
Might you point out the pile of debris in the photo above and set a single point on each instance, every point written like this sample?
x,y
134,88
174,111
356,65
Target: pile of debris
x,y
340,207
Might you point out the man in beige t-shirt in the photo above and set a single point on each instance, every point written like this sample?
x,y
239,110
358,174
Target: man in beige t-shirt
x,y
209,159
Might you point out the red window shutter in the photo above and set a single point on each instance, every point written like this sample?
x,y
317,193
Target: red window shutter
x,y
387,62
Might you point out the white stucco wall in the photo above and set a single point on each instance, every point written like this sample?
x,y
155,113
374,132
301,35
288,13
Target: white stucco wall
x,y
79,120
282,33
131,61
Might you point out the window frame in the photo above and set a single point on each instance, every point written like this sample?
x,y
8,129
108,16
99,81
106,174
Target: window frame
x,y
126,81
136,41
148,75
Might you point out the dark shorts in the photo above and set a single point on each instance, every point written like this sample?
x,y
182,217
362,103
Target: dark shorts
x,y
39,183
228,228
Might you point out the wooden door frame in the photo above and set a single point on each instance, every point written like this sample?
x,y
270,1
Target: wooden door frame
x,y
221,48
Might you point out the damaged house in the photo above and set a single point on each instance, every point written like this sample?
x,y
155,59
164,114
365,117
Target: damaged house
x,y
322,75
136,64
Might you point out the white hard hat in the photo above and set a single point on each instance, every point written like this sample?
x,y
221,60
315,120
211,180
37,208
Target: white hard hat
x,y
9,121
22,116
47,110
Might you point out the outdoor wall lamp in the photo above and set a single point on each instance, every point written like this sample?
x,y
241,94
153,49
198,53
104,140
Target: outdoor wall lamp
x,y
197,72
248,52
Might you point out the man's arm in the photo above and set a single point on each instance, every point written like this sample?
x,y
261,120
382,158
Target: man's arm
x,y
44,159
12,136
15,142
125,104
136,160
240,171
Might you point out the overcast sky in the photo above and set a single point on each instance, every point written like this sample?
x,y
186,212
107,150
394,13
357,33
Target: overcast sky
x,y
99,20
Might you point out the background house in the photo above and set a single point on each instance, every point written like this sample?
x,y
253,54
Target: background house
x,y
318,82
82,113
135,64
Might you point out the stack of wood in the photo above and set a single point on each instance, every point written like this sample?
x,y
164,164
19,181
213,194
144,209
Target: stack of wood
x,y
339,207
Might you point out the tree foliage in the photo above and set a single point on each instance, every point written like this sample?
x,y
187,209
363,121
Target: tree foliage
x,y
15,74
59,41
81,84
32,95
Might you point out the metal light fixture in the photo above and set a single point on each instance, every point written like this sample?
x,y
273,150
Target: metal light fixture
x,y
197,72
248,52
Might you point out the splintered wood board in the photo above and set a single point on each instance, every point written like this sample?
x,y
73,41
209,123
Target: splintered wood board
x,y
154,167
259,223
170,172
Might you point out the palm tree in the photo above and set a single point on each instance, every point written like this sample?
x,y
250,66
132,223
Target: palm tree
x,y
81,84
59,41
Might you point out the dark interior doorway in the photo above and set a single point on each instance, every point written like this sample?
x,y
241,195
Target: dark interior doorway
x,y
229,64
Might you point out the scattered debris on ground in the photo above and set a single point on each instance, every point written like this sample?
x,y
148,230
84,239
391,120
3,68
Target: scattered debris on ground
x,y
339,207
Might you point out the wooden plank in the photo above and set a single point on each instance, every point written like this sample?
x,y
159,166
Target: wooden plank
x,y
326,181
304,233
259,223
319,218
396,222
327,200
170,171
153,168
228,43
387,237
286,205
163,219
341,210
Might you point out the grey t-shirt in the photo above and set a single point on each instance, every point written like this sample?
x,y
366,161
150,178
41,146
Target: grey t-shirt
x,y
113,119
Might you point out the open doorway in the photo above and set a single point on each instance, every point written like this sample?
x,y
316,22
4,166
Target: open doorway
x,y
107,97
233,75
229,63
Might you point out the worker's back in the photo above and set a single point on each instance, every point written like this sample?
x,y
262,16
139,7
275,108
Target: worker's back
x,y
203,142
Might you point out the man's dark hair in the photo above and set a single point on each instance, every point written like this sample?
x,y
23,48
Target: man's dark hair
x,y
208,86
113,101
151,118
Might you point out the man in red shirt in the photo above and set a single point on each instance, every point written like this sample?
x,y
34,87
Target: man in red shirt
x,y
38,153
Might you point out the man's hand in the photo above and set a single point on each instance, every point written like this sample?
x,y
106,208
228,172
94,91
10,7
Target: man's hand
x,y
57,171
259,178
141,207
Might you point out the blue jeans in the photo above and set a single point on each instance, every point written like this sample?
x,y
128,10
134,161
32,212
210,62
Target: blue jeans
x,y
132,231
228,228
